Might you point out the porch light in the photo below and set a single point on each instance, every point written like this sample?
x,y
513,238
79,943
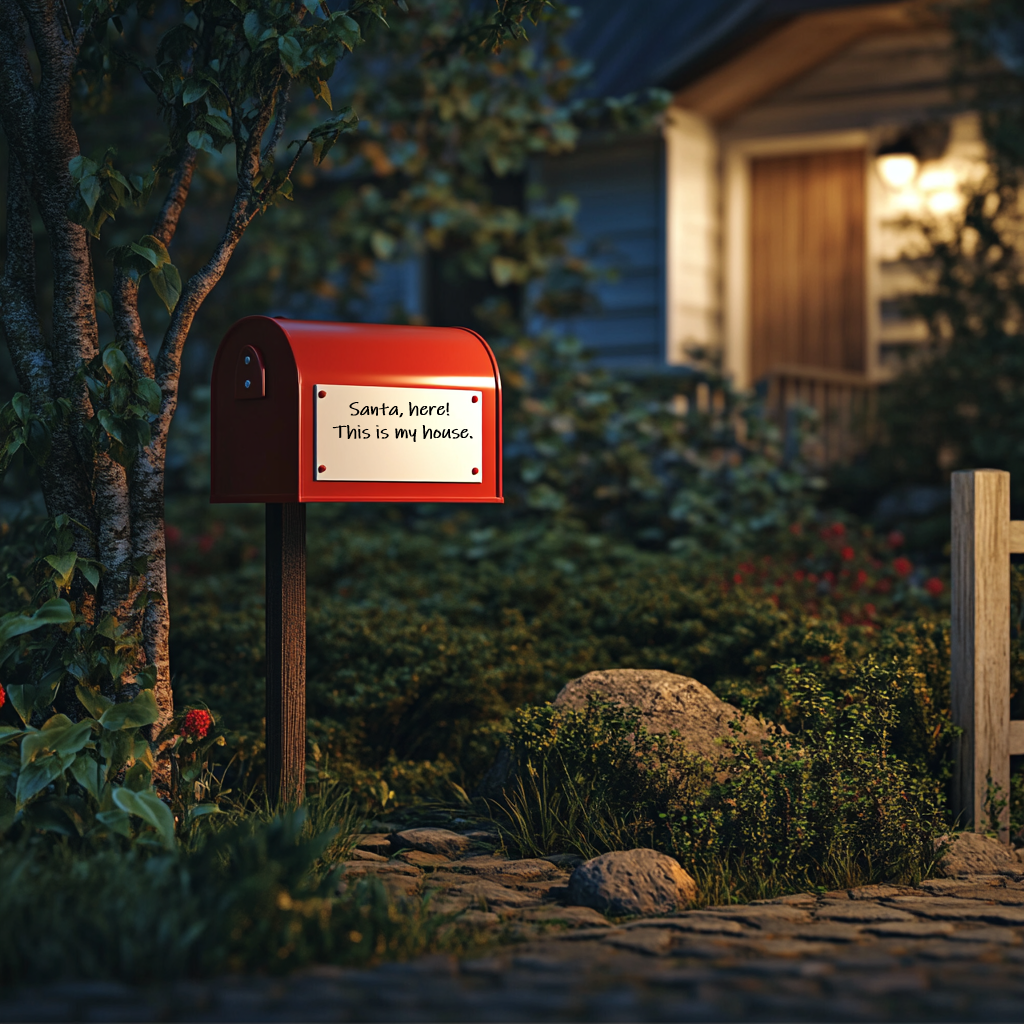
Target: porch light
x,y
897,163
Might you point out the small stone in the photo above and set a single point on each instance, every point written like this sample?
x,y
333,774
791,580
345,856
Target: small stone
x,y
951,908
971,853
765,916
991,933
631,882
494,895
875,892
532,869
432,840
564,860
374,842
796,899
910,929
572,917
422,859
652,941
365,855
695,921
861,912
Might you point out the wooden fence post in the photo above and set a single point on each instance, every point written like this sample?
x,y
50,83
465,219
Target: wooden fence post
x,y
286,652
980,645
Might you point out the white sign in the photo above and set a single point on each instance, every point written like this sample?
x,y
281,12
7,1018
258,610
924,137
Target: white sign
x,y
419,435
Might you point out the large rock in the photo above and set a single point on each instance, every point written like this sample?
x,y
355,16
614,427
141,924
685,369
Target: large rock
x,y
631,882
971,853
667,702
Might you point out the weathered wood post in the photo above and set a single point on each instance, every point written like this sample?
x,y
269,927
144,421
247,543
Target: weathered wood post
x,y
286,652
980,645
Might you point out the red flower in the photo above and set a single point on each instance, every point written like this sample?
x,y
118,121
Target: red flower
x,y
902,566
869,610
796,529
934,586
746,567
737,578
799,575
896,539
3,696
838,529
862,577
829,577
196,724
173,535
847,554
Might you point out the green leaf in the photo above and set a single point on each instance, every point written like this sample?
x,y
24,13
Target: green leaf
x,y
55,612
34,778
59,736
22,406
151,809
166,283
88,773
290,50
92,700
145,252
117,821
114,360
104,303
133,714
148,390
109,423
194,91
89,189
251,28
90,570
63,566
201,140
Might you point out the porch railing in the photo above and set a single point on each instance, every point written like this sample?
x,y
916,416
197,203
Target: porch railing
x,y
846,405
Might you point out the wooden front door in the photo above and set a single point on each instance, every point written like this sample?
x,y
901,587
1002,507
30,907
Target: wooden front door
x,y
807,262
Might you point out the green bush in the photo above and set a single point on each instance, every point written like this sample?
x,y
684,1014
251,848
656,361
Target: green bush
x,y
422,641
826,805
254,896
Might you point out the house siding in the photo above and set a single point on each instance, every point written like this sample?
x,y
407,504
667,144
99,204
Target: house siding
x,y
620,229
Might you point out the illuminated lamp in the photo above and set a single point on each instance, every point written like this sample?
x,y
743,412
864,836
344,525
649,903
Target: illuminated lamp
x,y
897,164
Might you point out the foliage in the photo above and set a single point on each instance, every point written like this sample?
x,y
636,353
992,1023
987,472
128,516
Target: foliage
x,y
424,639
823,806
255,895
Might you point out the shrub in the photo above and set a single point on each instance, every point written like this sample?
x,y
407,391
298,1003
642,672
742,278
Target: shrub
x,y
827,805
422,641
253,896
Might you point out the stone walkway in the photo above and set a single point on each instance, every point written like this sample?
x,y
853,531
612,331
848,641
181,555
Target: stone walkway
x,y
948,950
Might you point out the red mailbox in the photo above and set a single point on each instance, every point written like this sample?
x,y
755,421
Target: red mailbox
x,y
308,411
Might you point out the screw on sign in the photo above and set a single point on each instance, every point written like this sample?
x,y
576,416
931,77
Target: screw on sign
x,y
307,411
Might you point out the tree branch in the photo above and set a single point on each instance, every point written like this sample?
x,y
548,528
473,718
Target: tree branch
x,y
282,117
166,223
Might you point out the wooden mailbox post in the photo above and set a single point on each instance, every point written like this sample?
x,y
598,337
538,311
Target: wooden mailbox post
x,y
983,538
305,411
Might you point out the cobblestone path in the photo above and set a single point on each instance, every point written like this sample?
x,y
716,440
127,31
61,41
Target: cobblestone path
x,y
948,950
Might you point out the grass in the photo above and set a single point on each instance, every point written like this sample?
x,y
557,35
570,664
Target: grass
x,y
254,891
